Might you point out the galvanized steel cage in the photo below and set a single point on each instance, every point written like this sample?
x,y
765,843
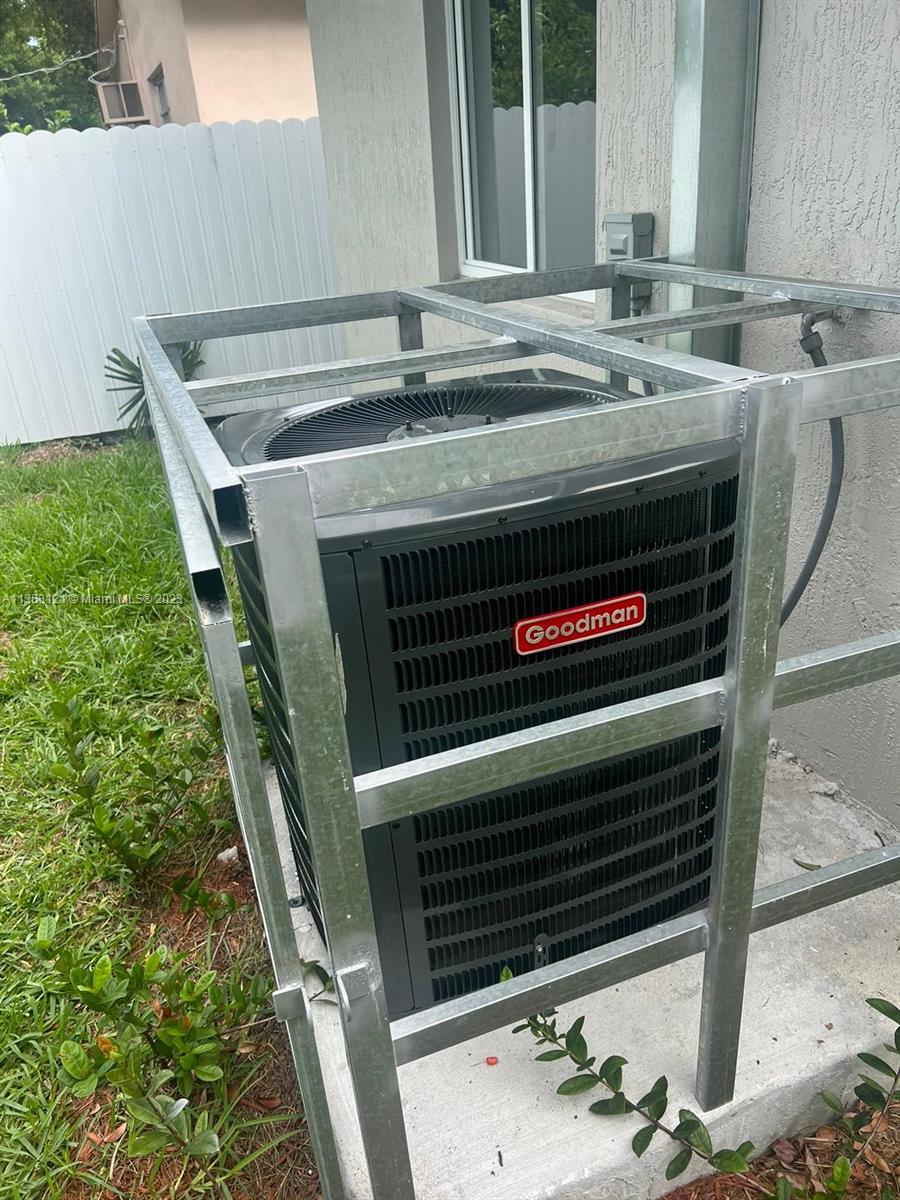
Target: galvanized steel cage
x,y
274,505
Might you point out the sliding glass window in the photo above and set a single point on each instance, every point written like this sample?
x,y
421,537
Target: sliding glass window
x,y
526,74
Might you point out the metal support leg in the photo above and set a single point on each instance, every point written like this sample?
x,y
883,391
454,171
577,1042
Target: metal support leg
x,y
764,507
409,324
619,308
280,509
255,817
225,667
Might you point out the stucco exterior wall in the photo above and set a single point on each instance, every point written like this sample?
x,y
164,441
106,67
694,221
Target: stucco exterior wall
x,y
251,62
156,36
372,83
635,81
223,60
826,181
824,203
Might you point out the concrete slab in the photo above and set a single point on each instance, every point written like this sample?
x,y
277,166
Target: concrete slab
x,y
480,1132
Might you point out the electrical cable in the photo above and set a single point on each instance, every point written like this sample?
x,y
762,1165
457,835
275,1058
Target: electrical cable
x,y
59,66
811,344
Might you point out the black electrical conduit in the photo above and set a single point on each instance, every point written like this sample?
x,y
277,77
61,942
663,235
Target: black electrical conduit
x,y
811,344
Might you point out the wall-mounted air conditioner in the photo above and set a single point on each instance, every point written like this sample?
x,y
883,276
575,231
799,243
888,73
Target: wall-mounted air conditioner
x,y
121,102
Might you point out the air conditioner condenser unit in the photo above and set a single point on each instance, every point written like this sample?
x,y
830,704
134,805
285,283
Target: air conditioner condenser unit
x,y
476,613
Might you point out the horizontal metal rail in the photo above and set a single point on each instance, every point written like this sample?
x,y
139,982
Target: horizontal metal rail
x,y
824,672
457,1020
835,295
737,312
267,318
215,479
513,758
526,285
226,388
352,370
842,389
331,310
522,447
803,894
403,790
666,367
198,550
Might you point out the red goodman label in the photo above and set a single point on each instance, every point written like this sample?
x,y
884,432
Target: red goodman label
x,y
580,624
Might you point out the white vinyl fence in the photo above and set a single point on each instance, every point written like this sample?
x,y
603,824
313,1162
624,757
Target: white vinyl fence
x,y
565,138
100,226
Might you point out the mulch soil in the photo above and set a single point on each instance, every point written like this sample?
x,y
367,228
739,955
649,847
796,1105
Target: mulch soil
x,y
805,1161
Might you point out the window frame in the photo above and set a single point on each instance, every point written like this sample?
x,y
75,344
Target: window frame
x,y
157,82
469,265
106,87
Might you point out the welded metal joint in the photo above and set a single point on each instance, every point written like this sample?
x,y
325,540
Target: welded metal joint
x,y
291,1002
352,984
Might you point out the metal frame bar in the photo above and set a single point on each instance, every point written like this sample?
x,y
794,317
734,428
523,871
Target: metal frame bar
x,y
714,105
768,459
296,379
225,663
834,295
284,499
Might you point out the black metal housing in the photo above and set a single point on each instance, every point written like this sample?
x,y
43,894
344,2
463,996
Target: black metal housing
x,y
423,600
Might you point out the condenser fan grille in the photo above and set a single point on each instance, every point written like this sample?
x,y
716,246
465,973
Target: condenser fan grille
x,y
376,418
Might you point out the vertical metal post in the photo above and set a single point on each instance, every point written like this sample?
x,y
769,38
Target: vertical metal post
x,y
716,56
251,801
409,329
619,307
280,509
225,669
768,459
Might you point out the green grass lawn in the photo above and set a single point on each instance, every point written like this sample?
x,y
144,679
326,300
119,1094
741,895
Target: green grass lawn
x,y
78,530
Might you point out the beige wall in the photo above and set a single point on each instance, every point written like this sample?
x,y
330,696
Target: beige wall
x,y
223,60
377,133
635,84
826,175
251,61
156,37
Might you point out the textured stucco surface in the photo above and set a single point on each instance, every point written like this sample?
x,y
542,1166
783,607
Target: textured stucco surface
x,y
156,37
388,162
824,203
635,80
372,87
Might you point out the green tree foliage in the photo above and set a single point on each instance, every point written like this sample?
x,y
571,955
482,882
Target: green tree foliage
x,y
42,33
565,52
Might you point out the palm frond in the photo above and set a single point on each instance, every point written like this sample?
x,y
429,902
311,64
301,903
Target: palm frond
x,y
127,375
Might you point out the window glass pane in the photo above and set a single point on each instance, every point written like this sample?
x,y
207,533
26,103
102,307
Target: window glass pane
x,y
493,68
132,97
115,109
564,69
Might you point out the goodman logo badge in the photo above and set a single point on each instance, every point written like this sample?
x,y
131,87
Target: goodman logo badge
x,y
580,624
